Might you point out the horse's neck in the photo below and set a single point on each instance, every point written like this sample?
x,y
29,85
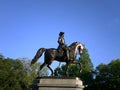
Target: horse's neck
x,y
72,49
72,52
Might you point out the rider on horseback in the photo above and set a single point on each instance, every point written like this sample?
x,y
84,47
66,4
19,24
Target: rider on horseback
x,y
62,45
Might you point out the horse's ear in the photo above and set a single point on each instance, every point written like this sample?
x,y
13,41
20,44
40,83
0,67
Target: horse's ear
x,y
76,42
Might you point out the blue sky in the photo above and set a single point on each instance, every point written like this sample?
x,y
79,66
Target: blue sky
x,y
27,25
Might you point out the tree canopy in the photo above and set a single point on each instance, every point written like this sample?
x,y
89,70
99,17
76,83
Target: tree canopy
x,y
17,74
107,76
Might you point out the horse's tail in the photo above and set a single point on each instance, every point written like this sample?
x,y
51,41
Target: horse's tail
x,y
38,55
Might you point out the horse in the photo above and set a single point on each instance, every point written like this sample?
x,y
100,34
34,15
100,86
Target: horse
x,y
52,54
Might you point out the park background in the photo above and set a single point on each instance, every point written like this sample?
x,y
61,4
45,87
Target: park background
x,y
27,25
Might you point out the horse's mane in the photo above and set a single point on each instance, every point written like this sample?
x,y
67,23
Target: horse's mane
x,y
73,44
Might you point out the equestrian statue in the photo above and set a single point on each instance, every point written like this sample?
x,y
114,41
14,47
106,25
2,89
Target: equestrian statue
x,y
63,53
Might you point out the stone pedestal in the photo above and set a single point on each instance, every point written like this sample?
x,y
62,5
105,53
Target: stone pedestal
x,y
57,83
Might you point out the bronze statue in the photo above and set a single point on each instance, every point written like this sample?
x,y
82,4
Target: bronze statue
x,y
52,54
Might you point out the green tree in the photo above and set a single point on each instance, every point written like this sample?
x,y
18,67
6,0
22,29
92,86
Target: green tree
x,y
86,61
114,74
31,71
11,72
107,76
17,74
87,68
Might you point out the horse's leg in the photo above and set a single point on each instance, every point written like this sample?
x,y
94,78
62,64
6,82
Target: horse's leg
x,y
67,67
41,68
80,66
52,73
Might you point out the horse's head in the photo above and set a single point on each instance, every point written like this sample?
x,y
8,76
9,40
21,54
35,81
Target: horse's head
x,y
79,47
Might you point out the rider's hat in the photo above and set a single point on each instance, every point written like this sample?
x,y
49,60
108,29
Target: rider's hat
x,y
61,33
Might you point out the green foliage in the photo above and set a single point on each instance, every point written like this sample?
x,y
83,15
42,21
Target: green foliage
x,y
60,71
87,65
73,71
17,74
11,74
107,76
115,68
